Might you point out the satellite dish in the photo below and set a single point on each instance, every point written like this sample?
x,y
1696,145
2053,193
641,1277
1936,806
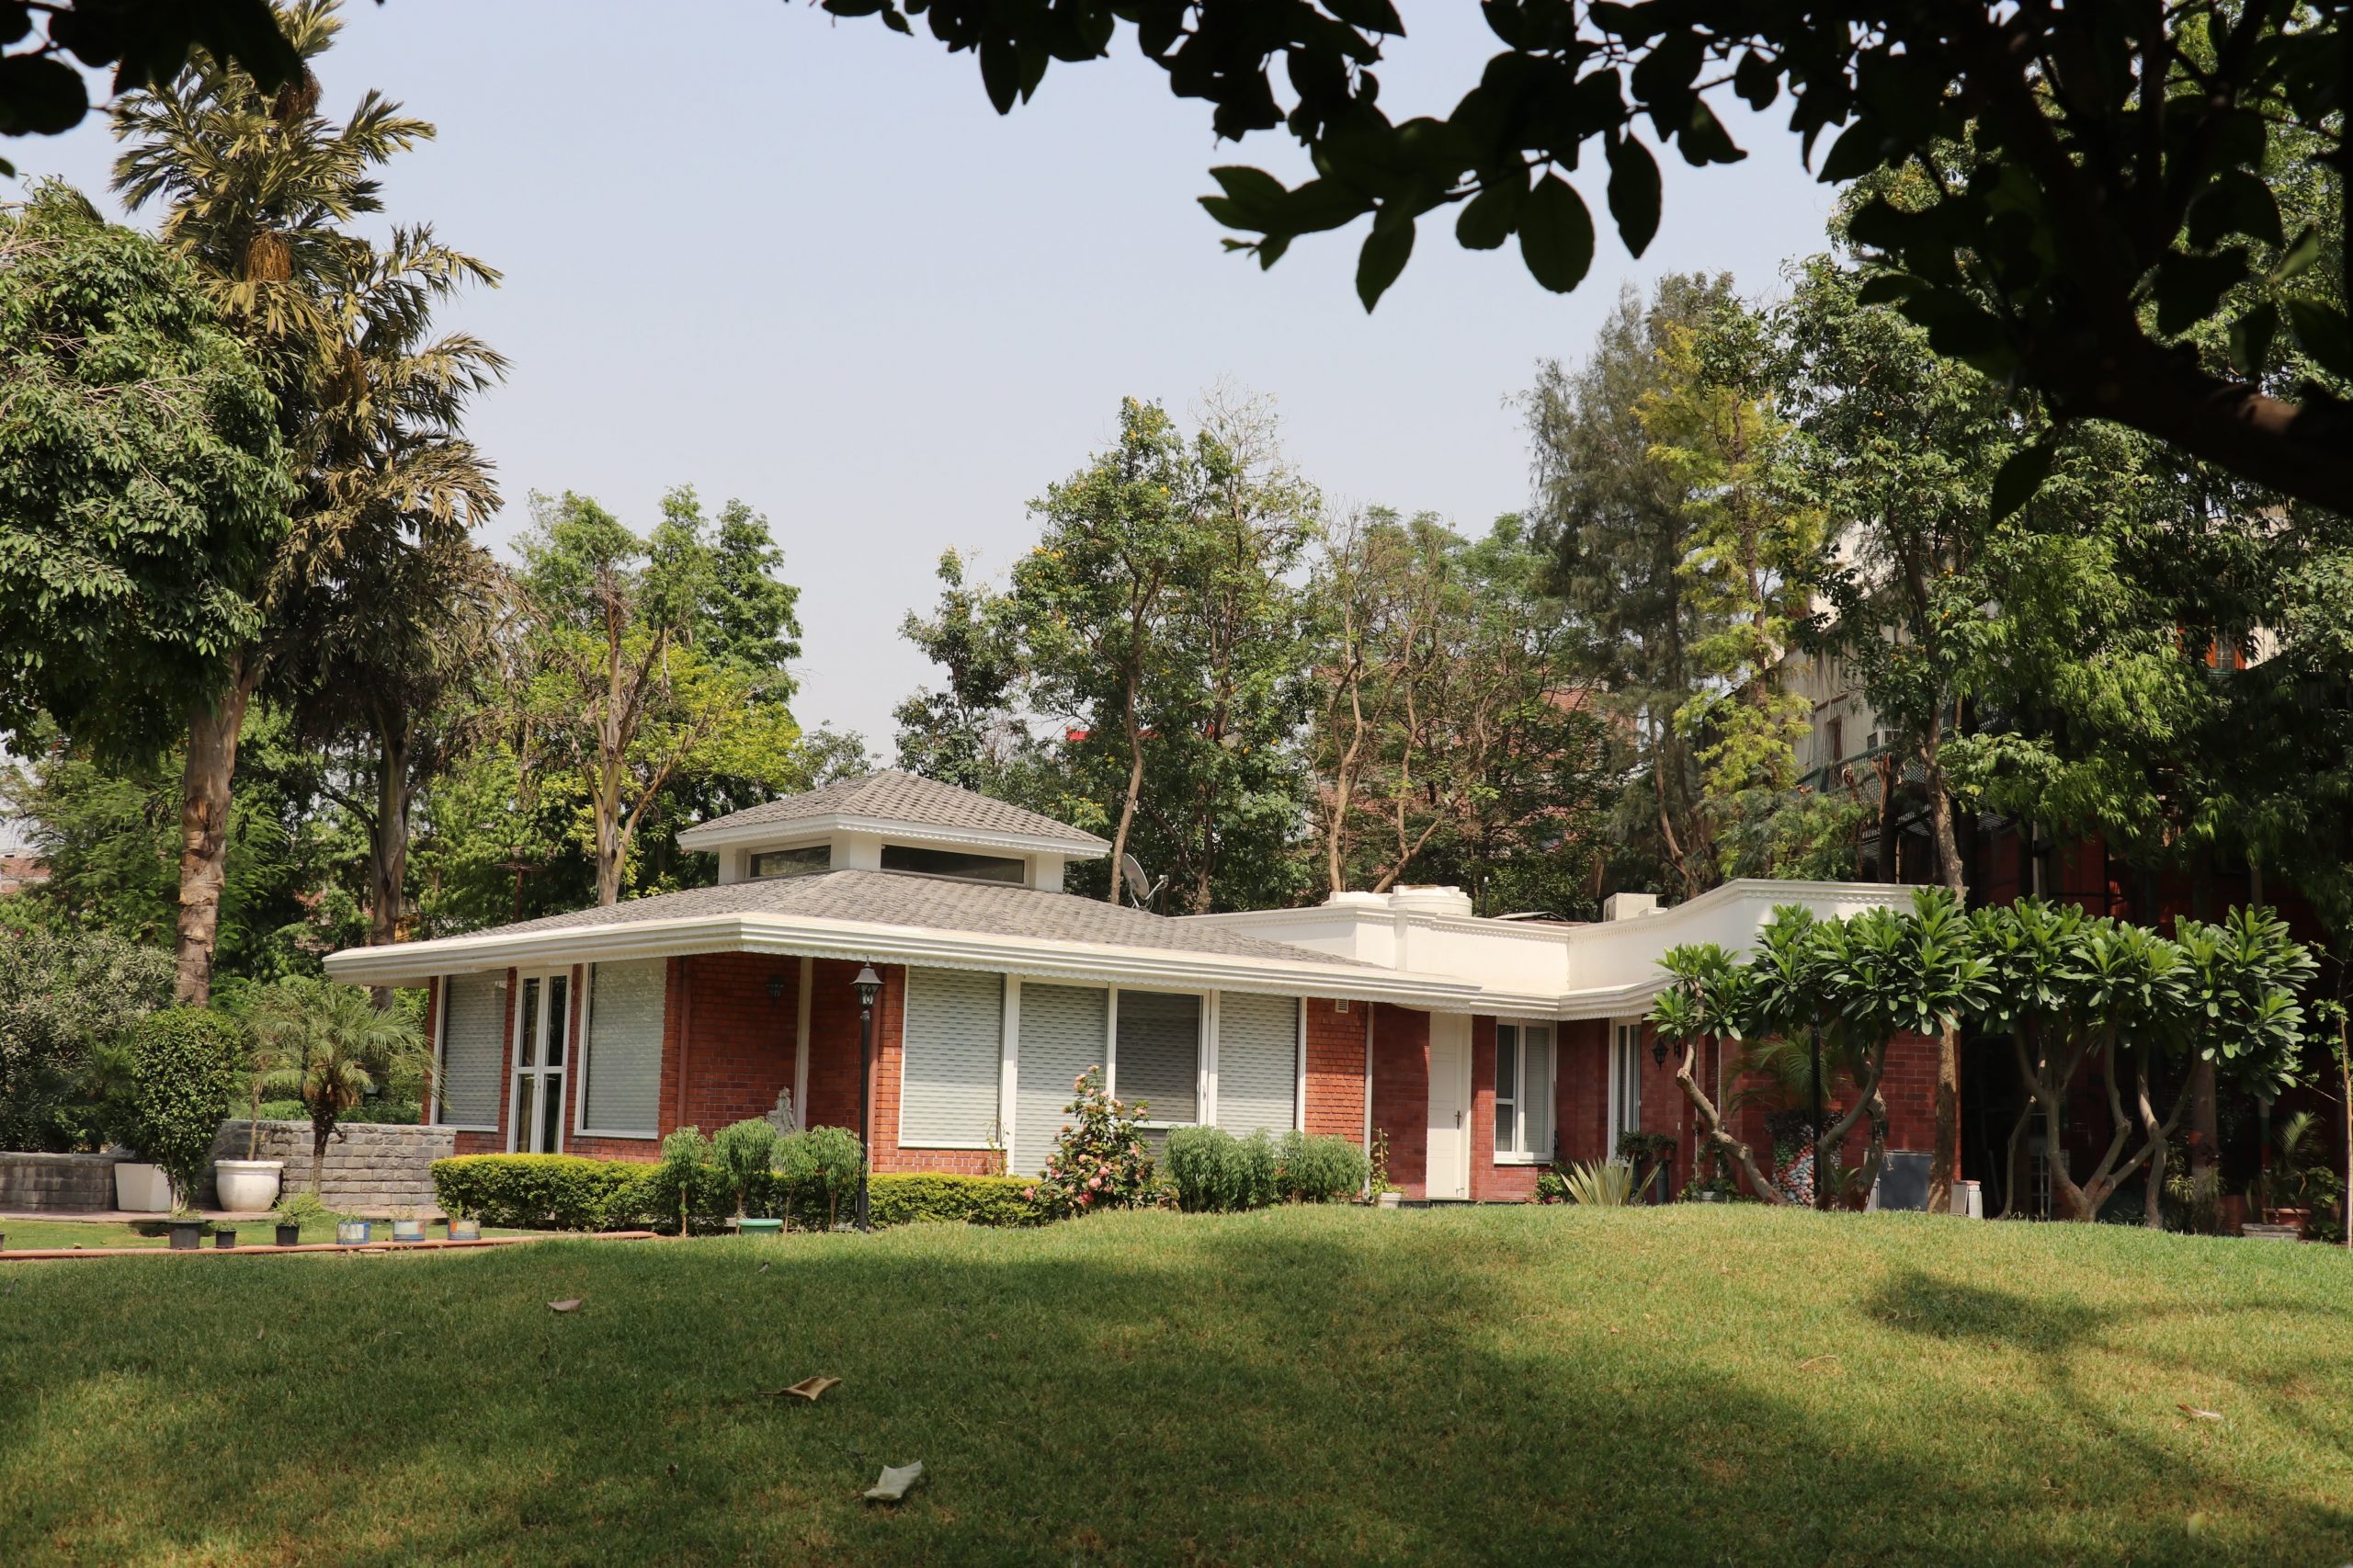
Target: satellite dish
x,y
1141,887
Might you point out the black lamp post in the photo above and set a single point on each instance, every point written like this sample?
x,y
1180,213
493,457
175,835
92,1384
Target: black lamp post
x,y
868,985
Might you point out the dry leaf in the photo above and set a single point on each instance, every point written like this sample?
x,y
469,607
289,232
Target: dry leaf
x,y
896,1478
2197,1415
567,1305
807,1388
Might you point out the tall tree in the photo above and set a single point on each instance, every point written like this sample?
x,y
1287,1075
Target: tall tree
x,y
258,191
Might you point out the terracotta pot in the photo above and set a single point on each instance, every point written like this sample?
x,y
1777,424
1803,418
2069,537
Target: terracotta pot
x,y
2300,1217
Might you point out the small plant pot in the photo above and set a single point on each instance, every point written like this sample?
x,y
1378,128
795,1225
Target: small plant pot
x,y
290,1235
248,1186
186,1235
226,1236
408,1230
354,1232
761,1227
465,1230
1390,1199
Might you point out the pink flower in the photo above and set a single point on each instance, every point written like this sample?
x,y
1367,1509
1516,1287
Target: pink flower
x,y
1093,1182
1028,1195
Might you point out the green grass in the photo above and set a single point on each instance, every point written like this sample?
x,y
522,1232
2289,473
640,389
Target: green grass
x,y
1693,1385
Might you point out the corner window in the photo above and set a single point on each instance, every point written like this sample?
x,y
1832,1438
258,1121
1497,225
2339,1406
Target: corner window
x,y
1523,1092
954,863
792,862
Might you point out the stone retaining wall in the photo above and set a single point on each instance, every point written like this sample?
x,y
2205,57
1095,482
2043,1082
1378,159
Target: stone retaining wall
x,y
372,1167
62,1182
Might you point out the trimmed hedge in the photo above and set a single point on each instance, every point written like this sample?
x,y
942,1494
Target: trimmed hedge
x,y
568,1192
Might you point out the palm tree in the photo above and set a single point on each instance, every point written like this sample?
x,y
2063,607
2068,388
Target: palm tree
x,y
329,1045
258,190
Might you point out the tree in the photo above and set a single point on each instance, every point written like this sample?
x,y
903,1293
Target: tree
x,y
259,190
147,42
65,996
140,482
966,733
621,693
332,1046
2116,165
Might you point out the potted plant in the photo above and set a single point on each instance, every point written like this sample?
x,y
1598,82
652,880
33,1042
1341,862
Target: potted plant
x,y
294,1210
188,1231
183,1063
461,1226
225,1236
251,1184
407,1226
354,1232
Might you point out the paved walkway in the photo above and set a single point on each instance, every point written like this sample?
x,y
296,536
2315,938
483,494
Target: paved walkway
x,y
134,1216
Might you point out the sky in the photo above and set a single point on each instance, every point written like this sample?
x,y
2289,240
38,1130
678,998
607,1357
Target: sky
x,y
802,262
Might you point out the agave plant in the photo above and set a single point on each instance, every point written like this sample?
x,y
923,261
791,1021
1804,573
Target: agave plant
x,y
1604,1184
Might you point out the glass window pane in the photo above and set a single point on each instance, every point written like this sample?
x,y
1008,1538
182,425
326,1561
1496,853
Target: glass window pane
x,y
559,1018
792,862
1504,1131
1160,1053
527,1028
1536,1100
1506,1061
550,1113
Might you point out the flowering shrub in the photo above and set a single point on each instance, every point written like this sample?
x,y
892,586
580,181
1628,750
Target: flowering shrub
x,y
1100,1162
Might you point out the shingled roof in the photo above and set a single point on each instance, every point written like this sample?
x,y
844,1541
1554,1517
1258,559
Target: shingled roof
x,y
939,904
893,796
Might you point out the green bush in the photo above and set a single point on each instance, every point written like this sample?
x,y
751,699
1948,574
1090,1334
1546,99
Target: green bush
x,y
546,1192
913,1199
67,996
816,1173
1217,1173
1312,1168
742,1150
567,1192
186,1063
1099,1160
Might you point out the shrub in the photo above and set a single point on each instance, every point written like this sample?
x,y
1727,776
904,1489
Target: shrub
x,y
546,1192
1100,1162
1313,1169
743,1150
815,1171
682,1175
1601,1184
185,1061
911,1199
64,995
1216,1172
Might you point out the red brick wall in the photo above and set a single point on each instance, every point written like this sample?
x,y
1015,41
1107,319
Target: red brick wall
x,y
1336,1069
1582,1110
1401,1093
890,1055
739,1043
1491,1182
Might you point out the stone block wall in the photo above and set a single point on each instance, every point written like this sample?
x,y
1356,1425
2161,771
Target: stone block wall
x,y
61,1182
372,1168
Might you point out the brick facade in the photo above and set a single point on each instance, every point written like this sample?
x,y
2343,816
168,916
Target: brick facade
x,y
1401,1093
1336,1066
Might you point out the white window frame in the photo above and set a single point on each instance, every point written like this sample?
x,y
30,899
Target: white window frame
x,y
516,1070
1625,1055
441,1057
1518,1100
577,1062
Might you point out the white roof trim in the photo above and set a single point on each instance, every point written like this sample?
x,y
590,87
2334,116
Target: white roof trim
x,y
722,834
409,963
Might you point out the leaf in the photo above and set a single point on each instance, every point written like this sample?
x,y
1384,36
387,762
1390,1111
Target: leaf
x,y
2251,337
1704,139
2296,257
39,97
2321,332
1633,192
569,1304
1001,72
1383,256
1758,80
1486,218
2237,202
1860,148
1255,193
1886,289
895,1480
1372,16
2197,1415
2189,288
807,1388
1556,235
2021,475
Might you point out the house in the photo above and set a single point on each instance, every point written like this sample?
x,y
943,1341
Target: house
x,y
1478,1047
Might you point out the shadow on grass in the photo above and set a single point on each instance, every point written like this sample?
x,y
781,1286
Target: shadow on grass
x,y
1270,1389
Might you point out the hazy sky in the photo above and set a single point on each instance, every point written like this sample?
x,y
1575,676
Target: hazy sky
x,y
803,261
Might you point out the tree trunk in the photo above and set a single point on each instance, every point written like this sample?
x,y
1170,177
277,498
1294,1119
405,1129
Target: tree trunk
x,y
205,784
1944,1163
320,1133
1135,788
1711,1125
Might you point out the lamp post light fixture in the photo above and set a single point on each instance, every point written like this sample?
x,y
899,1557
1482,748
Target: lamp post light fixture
x,y
868,986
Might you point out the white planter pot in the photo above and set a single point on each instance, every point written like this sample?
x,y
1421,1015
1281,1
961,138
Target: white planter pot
x,y
141,1188
247,1184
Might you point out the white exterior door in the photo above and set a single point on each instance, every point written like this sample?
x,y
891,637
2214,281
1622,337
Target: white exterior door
x,y
1449,1130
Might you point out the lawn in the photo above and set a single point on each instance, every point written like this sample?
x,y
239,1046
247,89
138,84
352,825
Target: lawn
x,y
35,1235
1534,1386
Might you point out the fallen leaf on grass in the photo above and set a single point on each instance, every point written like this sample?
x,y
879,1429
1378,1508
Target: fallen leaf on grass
x,y
1817,1360
896,1478
2197,1415
569,1304
807,1388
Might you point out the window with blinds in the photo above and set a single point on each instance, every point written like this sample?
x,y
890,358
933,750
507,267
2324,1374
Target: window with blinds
x,y
1523,1092
953,1043
473,1052
621,1072
1062,1035
1159,1058
1257,1062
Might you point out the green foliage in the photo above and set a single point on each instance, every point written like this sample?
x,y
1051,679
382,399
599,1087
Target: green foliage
x,y
141,478
683,1172
566,1192
1215,1172
330,1045
1600,1184
546,1192
910,1198
65,995
1099,1161
819,1167
1319,1168
186,1061
742,1151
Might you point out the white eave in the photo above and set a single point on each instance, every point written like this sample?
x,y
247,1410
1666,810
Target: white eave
x,y
410,964
723,834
